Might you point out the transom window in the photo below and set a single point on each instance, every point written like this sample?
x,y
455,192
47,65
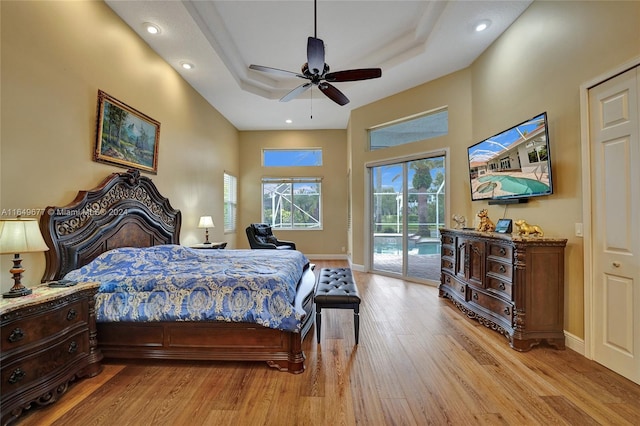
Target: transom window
x,y
291,157
292,203
426,126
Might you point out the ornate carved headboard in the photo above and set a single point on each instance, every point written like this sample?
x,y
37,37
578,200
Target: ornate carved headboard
x,y
125,210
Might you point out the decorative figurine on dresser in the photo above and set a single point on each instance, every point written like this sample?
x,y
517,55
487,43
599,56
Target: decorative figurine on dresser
x,y
49,340
509,283
485,224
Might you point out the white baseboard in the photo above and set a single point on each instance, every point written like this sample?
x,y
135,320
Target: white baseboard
x,y
327,256
573,342
355,267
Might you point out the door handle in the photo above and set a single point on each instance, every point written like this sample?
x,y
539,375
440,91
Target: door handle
x,y
616,264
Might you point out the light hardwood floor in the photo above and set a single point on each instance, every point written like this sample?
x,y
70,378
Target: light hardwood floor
x,y
420,361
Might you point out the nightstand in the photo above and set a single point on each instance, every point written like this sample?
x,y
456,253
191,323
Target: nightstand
x,y
210,246
48,340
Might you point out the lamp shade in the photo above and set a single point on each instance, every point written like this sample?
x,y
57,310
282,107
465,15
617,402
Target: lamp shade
x,y
21,235
206,222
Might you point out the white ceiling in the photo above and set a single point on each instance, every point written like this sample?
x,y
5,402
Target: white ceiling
x,y
412,41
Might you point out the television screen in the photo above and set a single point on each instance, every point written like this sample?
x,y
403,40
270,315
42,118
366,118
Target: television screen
x,y
512,165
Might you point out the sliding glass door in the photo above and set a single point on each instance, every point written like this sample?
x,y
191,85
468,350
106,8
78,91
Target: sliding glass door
x,y
408,208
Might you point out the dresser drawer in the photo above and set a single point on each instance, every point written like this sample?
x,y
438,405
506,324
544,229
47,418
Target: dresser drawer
x,y
454,286
32,328
498,306
500,287
447,239
501,251
39,363
447,264
500,270
447,251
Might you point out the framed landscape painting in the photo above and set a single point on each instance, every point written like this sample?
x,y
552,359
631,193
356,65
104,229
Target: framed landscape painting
x,y
126,137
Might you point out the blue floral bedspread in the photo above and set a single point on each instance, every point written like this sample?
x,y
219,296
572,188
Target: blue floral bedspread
x,y
175,283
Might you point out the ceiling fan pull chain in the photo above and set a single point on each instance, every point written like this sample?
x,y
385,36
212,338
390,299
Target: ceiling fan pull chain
x,y
311,102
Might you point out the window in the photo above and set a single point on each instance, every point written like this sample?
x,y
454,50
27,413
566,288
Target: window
x,y
427,126
538,154
292,203
291,157
230,202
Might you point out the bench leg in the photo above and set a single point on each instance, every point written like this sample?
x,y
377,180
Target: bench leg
x,y
318,322
356,322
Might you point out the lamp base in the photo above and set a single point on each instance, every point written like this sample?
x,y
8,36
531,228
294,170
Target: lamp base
x,y
19,292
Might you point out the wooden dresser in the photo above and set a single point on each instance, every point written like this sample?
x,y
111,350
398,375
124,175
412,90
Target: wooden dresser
x,y
48,340
511,284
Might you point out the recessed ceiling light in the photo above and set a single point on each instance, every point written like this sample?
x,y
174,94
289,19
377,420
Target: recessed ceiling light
x,y
483,25
151,28
187,65
288,121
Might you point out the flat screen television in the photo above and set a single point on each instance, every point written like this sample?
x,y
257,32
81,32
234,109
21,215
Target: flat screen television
x,y
513,165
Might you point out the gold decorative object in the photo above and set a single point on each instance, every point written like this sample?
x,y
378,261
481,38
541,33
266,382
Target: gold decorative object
x,y
526,230
460,221
485,225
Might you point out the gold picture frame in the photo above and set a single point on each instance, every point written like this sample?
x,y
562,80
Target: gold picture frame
x,y
125,136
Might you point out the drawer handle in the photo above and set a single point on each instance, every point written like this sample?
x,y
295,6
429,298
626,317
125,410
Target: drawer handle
x,y
17,375
461,289
475,296
503,251
502,269
501,286
71,315
16,335
448,280
507,311
73,347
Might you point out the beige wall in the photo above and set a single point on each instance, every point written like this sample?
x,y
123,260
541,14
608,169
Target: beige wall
x,y
55,57
537,65
333,237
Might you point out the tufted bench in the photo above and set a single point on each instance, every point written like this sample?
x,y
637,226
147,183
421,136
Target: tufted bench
x,y
336,289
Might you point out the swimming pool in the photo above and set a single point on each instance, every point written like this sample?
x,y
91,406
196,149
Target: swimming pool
x,y
514,185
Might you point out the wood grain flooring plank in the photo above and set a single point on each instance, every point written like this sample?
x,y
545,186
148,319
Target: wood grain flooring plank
x,y
569,411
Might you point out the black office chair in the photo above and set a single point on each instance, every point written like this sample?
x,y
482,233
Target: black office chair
x,y
261,237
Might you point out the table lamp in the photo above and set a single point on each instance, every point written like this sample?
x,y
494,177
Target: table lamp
x,y
206,222
20,235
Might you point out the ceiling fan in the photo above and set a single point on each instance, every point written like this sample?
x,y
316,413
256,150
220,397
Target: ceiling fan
x,y
317,71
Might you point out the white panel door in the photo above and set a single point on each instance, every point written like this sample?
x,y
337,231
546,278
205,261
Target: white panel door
x,y
615,168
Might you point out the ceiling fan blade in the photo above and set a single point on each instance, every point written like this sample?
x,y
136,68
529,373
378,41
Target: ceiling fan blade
x,y
334,94
296,92
354,75
275,71
315,55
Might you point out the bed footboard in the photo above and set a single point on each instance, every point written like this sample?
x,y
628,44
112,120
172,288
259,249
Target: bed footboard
x,y
210,340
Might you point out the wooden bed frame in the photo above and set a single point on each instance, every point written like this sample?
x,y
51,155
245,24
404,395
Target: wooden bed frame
x,y
126,210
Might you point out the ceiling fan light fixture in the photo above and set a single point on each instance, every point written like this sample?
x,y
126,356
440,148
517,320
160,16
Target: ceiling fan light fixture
x,y
151,28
